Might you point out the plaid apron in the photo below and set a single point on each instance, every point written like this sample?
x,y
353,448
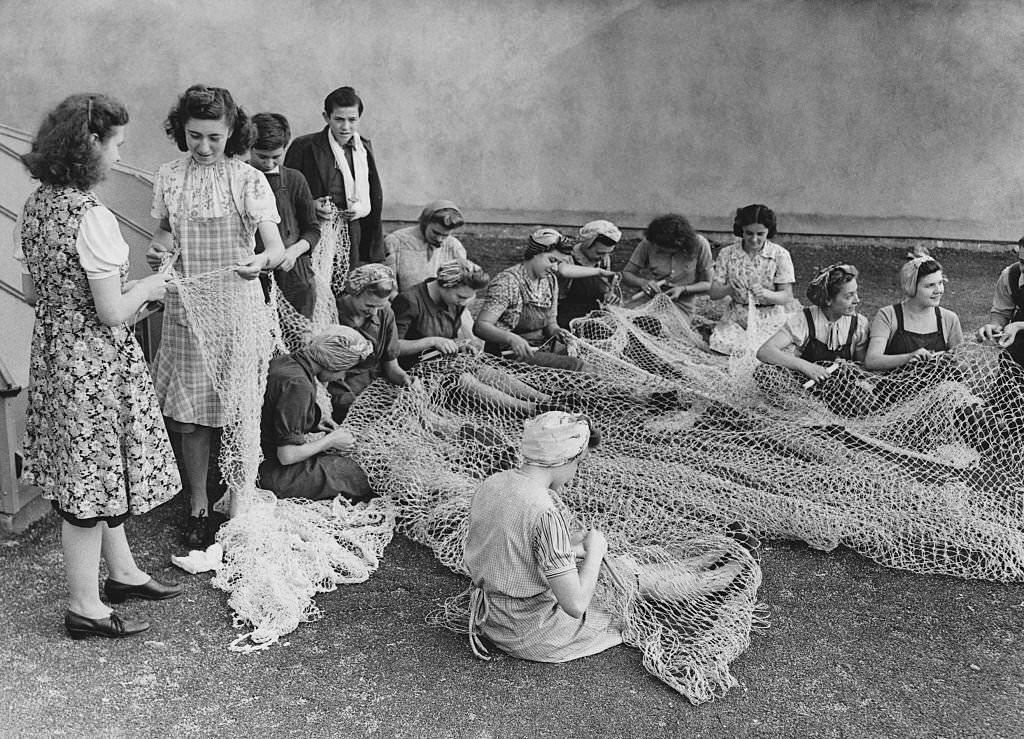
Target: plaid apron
x,y
183,385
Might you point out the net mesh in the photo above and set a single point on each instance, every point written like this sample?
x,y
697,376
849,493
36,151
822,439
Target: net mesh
x,y
917,469
278,553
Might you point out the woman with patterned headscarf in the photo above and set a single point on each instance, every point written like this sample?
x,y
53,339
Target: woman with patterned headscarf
x,y
915,329
296,465
830,329
428,318
365,305
806,349
520,311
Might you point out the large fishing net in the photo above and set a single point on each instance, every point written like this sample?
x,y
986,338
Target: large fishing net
x,y
278,554
919,469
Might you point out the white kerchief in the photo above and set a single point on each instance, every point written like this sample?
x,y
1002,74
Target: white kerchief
x,y
357,185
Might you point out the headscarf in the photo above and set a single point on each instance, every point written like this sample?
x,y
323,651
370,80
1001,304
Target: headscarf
x,y
590,231
367,274
909,272
338,348
544,240
455,272
431,208
555,438
818,289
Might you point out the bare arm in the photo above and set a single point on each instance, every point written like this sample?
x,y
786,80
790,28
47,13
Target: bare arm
x,y
269,258
338,440
114,307
717,290
575,589
774,351
576,271
28,288
486,328
782,294
161,245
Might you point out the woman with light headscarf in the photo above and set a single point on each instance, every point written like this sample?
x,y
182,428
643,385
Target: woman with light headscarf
x,y
305,455
533,579
414,253
587,280
365,305
519,315
915,329
428,318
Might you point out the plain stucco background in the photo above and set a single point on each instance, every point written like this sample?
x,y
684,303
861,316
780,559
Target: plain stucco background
x,y
875,117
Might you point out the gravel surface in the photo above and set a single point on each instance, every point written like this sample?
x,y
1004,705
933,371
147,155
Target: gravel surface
x,y
854,649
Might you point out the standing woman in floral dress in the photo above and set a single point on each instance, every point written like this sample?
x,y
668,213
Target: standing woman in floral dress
x,y
209,206
95,441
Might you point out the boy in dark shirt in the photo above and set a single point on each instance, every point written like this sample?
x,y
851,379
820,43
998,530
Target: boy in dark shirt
x,y
299,228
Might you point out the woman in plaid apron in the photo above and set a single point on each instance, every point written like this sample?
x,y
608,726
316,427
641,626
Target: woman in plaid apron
x,y
209,206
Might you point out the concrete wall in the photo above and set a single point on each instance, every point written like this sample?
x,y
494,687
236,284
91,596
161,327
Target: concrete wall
x,y
876,117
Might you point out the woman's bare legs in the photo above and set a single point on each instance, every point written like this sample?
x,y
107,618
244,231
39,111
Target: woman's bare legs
x,y
680,579
471,385
195,447
117,554
82,568
511,384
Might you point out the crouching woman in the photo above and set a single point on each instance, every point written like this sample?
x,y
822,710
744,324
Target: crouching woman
x,y
294,464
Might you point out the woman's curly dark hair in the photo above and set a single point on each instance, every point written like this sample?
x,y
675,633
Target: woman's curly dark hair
x,y
63,151
751,214
673,231
211,104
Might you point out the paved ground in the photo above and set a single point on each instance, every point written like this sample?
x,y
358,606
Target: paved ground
x,y
854,649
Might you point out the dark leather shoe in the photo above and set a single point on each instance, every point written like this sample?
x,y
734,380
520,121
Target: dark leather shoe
x,y
119,592
113,626
195,531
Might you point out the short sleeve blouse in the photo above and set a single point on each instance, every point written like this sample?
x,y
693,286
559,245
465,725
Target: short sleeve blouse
x,y
101,247
832,334
552,546
771,266
512,288
184,189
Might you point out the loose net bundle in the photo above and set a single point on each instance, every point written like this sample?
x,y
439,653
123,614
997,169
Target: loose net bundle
x,y
278,553
684,593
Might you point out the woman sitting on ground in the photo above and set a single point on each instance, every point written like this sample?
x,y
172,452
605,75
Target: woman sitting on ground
x,y
672,258
917,328
830,329
810,342
415,252
581,293
754,269
427,318
529,597
365,305
296,465
520,311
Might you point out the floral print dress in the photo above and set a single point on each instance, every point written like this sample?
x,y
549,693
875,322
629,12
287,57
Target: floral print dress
x,y
95,441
